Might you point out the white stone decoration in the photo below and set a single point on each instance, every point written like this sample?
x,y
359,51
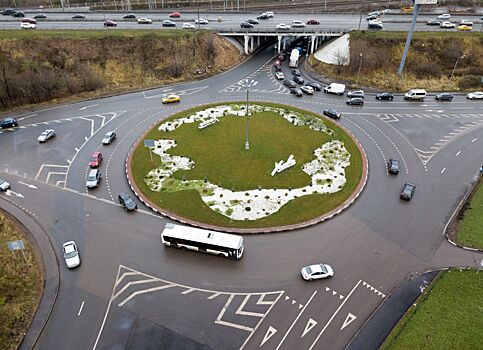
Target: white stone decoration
x,y
282,165
207,122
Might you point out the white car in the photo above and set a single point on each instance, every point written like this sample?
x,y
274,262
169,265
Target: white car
x,y
446,24
46,135
466,22
270,14
201,21
145,20
108,138
478,95
298,24
4,185
279,75
71,254
26,25
444,16
93,178
188,26
309,90
283,26
317,271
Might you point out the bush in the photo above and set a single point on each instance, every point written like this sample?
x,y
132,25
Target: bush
x,y
470,81
427,70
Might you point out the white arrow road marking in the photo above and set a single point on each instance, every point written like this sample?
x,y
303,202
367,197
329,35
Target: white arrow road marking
x,y
28,185
311,324
348,320
82,108
10,192
270,332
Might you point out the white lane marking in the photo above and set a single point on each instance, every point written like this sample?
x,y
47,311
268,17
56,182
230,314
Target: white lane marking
x,y
80,310
86,138
28,185
296,319
335,313
348,320
27,116
187,291
476,138
230,324
142,292
458,153
10,192
213,296
310,324
240,311
82,108
270,331
442,171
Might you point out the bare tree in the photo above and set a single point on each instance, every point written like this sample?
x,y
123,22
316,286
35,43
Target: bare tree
x,y
341,60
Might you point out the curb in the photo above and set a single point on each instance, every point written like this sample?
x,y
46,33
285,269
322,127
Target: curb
x,y
358,190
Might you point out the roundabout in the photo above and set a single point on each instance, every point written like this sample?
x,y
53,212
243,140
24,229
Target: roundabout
x,y
172,167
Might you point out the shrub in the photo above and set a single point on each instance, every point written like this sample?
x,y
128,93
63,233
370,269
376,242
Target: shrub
x,y
470,81
427,70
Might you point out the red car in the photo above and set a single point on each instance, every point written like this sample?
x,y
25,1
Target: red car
x,y
95,160
312,21
29,20
110,23
175,15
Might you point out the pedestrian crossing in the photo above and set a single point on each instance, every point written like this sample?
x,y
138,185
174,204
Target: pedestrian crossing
x,y
395,117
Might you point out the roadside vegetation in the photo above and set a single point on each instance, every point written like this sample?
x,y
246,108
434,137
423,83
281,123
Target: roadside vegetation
x,y
469,231
429,65
448,315
45,66
20,285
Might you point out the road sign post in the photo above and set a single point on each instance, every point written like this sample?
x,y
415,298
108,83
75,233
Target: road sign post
x,y
150,145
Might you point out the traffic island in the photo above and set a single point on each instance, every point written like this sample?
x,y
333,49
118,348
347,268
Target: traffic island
x,y
276,169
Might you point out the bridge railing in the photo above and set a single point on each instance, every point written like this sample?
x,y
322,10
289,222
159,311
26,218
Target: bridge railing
x,y
297,31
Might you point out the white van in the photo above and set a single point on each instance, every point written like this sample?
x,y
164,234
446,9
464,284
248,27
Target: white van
x,y
415,94
335,88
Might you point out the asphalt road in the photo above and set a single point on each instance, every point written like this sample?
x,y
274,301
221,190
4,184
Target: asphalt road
x,y
131,292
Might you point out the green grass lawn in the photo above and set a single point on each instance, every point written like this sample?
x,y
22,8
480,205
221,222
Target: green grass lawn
x,y
449,316
219,155
470,229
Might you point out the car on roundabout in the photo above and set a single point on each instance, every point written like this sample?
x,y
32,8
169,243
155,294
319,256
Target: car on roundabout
x,y
289,83
296,73
332,113
478,95
282,26
464,28
384,96
408,191
168,23
307,89
93,178
446,24
315,86
4,185
279,75
108,138
296,91
46,135
316,272
71,254
298,80
393,166
127,202
444,96
95,160
171,99
355,101
27,25
144,20
110,23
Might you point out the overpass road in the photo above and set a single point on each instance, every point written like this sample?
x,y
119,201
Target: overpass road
x,y
131,292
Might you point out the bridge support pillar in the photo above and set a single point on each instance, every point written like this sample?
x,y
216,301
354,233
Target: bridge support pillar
x,y
312,42
279,43
252,40
258,40
284,42
247,38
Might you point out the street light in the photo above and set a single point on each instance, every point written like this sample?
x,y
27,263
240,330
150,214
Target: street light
x,y
456,63
359,70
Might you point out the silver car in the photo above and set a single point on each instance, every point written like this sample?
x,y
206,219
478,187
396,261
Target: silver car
x,y
71,254
46,135
4,185
93,178
108,138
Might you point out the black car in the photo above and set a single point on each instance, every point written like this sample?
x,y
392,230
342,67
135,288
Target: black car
x,y
129,16
18,14
298,80
40,16
263,16
78,16
246,25
289,83
332,113
296,73
127,202
8,123
168,23
355,101
252,21
372,17
408,191
393,166
445,96
385,96
432,22
297,92
8,12
314,86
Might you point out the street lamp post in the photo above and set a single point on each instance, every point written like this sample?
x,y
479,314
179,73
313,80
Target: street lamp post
x,y
360,65
456,63
247,144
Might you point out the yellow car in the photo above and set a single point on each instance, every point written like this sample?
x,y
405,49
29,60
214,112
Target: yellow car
x,y
171,99
464,27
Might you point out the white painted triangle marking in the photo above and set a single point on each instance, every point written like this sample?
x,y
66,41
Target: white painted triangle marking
x,y
286,297
348,320
379,293
334,292
364,283
372,288
384,295
341,297
270,332
310,324
300,306
293,301
327,289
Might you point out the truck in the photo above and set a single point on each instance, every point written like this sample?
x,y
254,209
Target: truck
x,y
335,88
294,58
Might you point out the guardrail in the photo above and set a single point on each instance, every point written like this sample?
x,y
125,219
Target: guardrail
x,y
296,31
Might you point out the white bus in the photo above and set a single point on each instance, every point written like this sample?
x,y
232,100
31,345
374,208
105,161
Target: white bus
x,y
203,241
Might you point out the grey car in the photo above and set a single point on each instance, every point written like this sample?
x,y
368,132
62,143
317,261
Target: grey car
x,y
408,191
127,202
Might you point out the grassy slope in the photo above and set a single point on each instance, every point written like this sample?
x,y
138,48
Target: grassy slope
x,y
470,231
272,139
450,316
20,286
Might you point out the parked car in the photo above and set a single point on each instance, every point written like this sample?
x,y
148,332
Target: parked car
x,y
201,21
332,113
298,24
4,185
317,271
298,80
355,101
8,123
78,16
252,21
393,166
297,92
127,202
384,96
108,138
356,93
408,191
279,75
129,16
188,26
28,20
26,25
444,16
246,25
18,14
307,89
40,16
168,23
466,22
289,83
175,15
282,26
464,28
445,96
446,24
315,86
95,159
93,178
432,22
110,23
46,135
145,20
312,22
171,99
71,254
478,95
296,73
